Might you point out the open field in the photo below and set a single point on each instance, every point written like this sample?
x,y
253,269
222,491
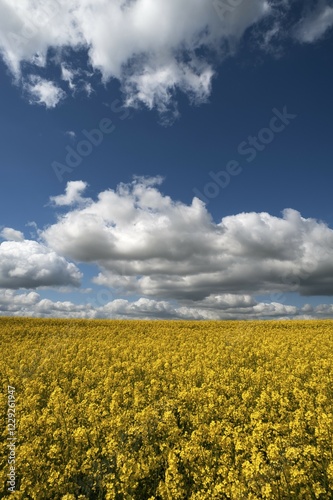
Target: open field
x,y
167,409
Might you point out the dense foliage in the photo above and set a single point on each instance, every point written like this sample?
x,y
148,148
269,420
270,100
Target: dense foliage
x,y
169,410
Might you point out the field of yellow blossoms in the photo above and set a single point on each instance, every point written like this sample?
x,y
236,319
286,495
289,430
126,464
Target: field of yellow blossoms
x,y
167,410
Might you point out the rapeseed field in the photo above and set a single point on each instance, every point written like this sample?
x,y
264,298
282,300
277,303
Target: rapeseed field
x,y
166,410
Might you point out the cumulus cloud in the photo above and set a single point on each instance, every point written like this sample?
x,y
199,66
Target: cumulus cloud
x,y
153,47
161,258
29,264
11,234
31,304
11,302
149,308
43,92
147,244
72,196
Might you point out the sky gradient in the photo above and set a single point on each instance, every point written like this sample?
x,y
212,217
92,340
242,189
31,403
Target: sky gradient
x,y
166,159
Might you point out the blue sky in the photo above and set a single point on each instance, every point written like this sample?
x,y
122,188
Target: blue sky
x,y
166,160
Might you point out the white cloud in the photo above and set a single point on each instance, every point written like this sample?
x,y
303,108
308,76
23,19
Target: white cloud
x,y
29,264
31,304
30,27
77,79
153,47
150,46
71,134
316,23
12,302
166,259
324,310
11,234
44,92
149,308
74,189
147,244
68,76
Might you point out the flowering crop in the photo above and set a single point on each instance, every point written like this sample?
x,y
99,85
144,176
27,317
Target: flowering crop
x,y
169,410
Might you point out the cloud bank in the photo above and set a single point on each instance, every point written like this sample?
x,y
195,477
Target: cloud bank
x,y
145,243
31,304
152,47
161,258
